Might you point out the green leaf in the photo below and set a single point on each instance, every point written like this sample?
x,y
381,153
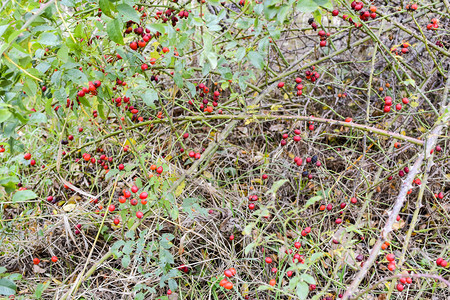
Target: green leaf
x,y
256,59
105,7
4,115
77,77
307,6
317,14
212,58
48,39
312,200
126,259
275,186
149,97
111,173
7,287
114,30
302,290
248,229
128,13
249,248
40,288
37,118
156,28
25,195
308,278
282,13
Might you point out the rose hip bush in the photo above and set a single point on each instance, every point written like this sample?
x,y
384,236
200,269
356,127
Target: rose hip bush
x,y
270,149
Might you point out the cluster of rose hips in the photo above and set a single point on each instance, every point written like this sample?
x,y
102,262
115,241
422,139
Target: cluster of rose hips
x,y
118,102
184,268
168,14
252,198
27,156
203,91
411,7
364,15
391,266
323,37
434,24
37,261
312,75
439,195
69,104
2,148
403,50
103,160
228,274
312,23
91,89
127,194
296,137
388,104
119,83
441,262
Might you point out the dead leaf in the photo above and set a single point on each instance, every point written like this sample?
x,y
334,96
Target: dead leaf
x,y
37,269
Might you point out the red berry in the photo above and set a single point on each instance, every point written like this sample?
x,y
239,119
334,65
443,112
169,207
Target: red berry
x,y
121,167
228,273
390,257
297,245
353,200
27,156
335,12
280,84
116,221
444,263
323,43
398,106
159,170
36,261
111,208
400,287
387,109
54,259
133,45
139,215
134,189
268,260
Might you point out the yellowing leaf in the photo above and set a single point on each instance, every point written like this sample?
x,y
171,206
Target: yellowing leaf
x,y
414,104
275,107
69,207
127,142
180,189
285,96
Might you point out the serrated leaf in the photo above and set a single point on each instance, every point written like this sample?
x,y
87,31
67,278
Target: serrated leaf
x,y
4,115
312,201
308,278
105,7
77,77
275,186
256,59
7,287
248,229
249,248
25,195
48,39
128,13
302,290
149,97
114,30
307,6
111,173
